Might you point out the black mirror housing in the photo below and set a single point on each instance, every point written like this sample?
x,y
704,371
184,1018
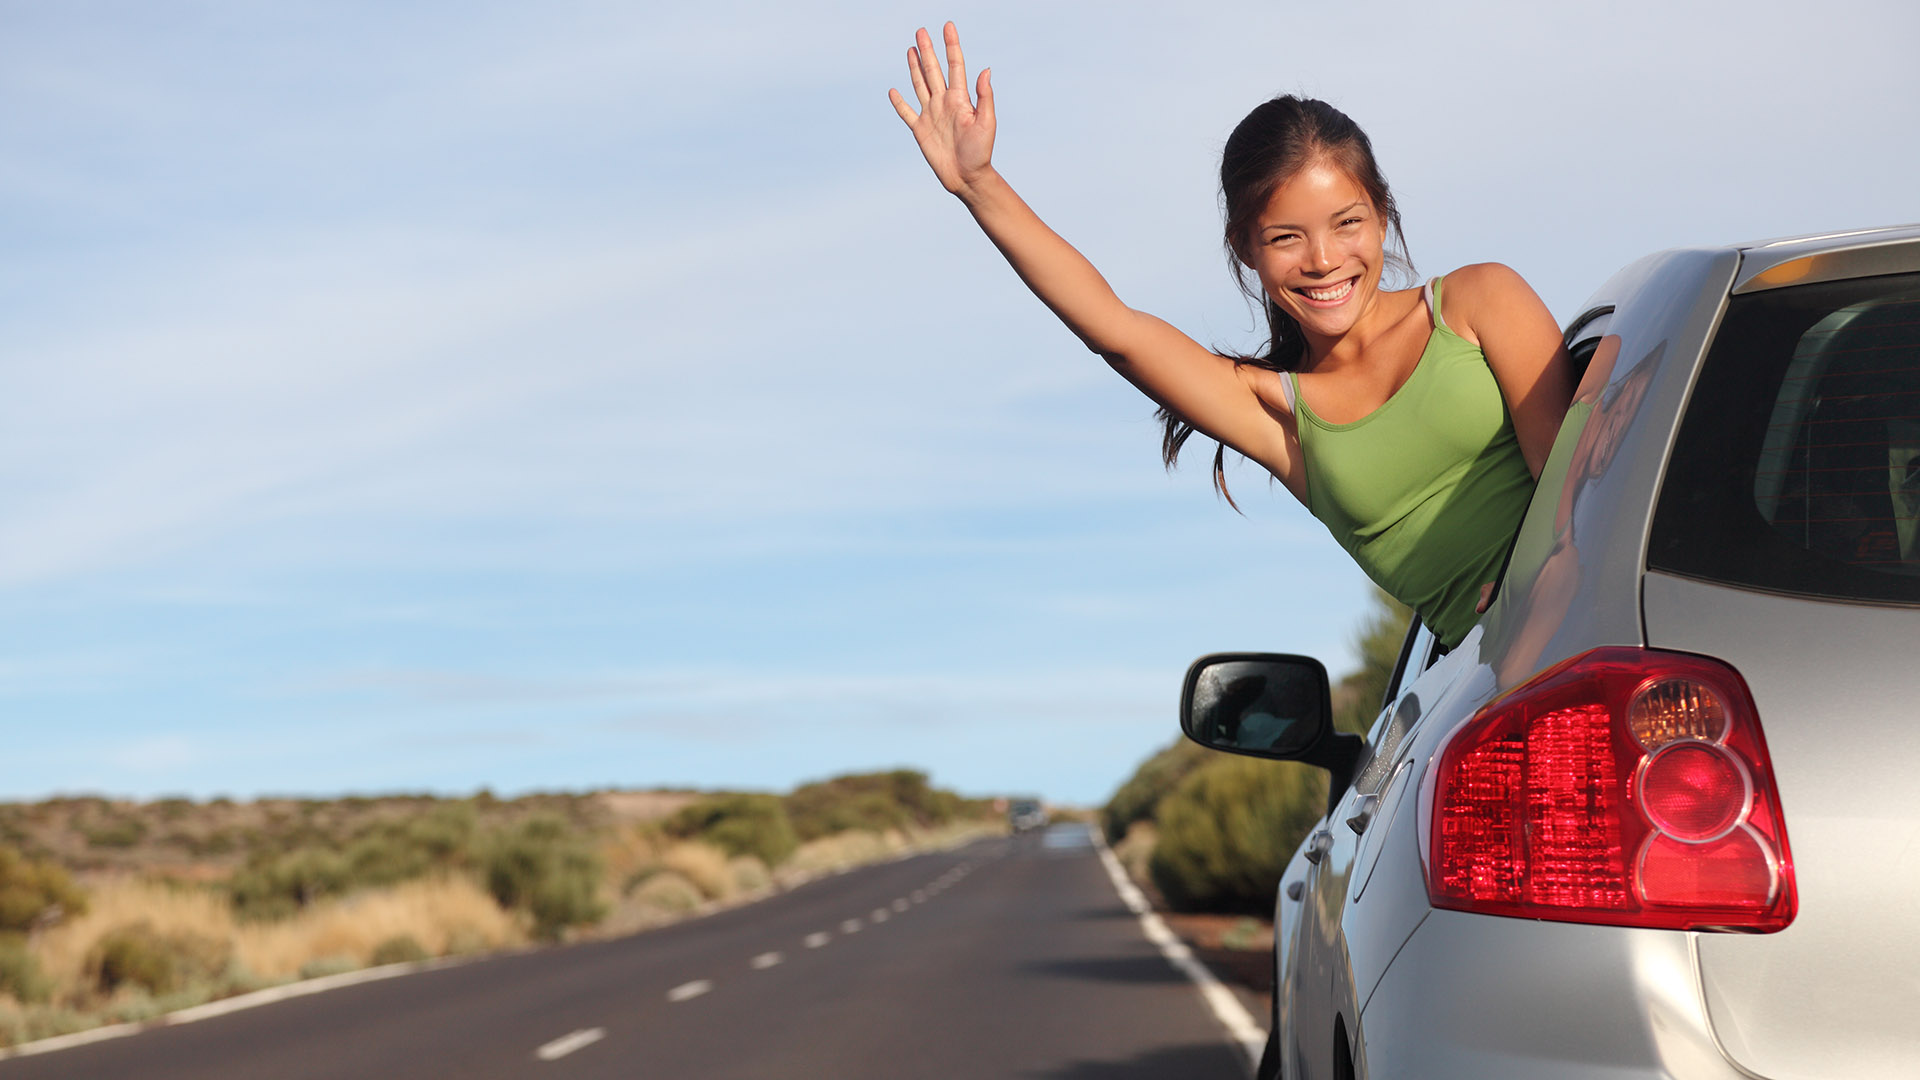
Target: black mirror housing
x,y
1270,705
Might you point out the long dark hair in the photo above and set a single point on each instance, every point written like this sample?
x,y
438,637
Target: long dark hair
x,y
1275,141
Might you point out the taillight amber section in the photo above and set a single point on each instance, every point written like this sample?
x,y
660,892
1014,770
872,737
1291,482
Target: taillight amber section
x,y
1626,786
1668,710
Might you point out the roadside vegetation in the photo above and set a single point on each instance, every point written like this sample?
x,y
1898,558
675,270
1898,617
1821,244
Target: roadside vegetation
x,y
115,911
1212,832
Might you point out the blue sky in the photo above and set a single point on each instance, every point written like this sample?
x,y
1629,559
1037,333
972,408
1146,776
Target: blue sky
x,y
428,396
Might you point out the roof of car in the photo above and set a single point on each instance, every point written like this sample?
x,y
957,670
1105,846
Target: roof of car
x,y
1801,260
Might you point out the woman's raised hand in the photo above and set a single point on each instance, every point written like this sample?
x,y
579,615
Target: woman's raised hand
x,y
954,133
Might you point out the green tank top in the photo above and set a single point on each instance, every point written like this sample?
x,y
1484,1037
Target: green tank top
x,y
1427,491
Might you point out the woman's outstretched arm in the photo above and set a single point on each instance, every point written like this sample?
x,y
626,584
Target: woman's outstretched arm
x,y
956,136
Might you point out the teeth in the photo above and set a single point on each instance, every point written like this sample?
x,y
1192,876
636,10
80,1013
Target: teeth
x,y
1329,294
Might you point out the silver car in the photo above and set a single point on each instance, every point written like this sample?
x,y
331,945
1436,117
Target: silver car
x,y
1657,815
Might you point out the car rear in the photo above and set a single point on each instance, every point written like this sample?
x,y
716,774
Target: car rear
x,y
1709,865
1786,543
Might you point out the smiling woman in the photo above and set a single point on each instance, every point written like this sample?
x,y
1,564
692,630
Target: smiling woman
x,y
1412,426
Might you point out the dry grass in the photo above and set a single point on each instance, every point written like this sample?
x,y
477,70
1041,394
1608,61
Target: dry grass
x,y
704,865
445,915
840,851
750,875
626,852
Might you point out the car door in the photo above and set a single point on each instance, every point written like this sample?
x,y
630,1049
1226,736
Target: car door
x,y
1320,989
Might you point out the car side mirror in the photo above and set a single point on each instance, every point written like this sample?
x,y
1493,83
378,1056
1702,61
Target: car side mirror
x,y
1264,704
1269,705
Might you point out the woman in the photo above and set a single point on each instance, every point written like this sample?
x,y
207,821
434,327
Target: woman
x,y
1412,422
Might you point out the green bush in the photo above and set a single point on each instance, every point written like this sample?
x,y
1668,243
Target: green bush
x,y
116,832
755,825
34,891
275,887
399,949
20,973
875,802
136,954
1357,697
1227,831
541,868
1152,781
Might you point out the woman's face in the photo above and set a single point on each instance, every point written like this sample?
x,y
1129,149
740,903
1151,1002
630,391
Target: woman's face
x,y
1317,248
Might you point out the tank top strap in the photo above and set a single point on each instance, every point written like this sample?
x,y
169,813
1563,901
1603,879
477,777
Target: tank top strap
x,y
1433,304
1290,390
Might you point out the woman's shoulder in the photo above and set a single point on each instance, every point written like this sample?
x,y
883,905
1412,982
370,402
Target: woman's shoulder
x,y
1474,294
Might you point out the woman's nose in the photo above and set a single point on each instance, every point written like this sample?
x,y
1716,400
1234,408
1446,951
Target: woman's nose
x,y
1320,257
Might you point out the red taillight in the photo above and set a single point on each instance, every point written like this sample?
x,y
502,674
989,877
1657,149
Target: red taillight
x,y
1623,786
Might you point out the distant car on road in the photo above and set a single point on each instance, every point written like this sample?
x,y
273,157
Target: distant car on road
x,y
1024,815
1654,816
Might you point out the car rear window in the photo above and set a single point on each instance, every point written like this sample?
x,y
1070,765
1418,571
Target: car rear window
x,y
1797,466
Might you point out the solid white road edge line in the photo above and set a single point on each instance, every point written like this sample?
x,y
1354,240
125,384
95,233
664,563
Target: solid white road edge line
x,y
689,991
228,1005
766,960
1226,1008
568,1043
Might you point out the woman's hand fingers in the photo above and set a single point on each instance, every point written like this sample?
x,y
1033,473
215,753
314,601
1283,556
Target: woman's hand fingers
x,y
900,106
983,112
956,64
919,80
929,70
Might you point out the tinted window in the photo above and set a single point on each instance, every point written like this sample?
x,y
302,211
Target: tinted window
x,y
1797,467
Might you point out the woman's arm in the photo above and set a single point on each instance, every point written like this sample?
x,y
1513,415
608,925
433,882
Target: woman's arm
x,y
956,137
1489,304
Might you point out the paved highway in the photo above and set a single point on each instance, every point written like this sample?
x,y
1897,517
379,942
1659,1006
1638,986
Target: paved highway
x,y
1005,958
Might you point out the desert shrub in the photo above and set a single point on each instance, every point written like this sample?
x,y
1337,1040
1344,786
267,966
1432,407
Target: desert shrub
x,y
749,874
669,892
1227,831
1152,781
755,825
875,802
34,891
398,949
20,974
539,867
274,887
136,954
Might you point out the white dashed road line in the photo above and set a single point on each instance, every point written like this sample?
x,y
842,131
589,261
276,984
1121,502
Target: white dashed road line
x,y
900,904
818,939
766,960
879,915
919,896
688,991
851,926
568,1043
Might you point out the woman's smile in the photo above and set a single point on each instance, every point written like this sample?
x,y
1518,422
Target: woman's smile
x,y
1327,296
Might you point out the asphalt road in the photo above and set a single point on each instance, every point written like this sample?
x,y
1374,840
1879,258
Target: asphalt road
x,y
1005,958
